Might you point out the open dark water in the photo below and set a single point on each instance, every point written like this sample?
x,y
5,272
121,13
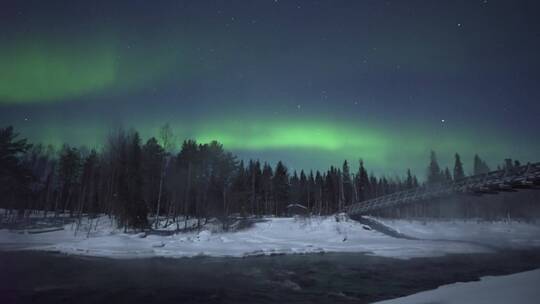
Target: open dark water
x,y
41,277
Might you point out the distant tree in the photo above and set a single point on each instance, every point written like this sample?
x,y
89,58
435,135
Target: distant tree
x,y
15,178
241,189
303,197
363,184
295,192
186,172
480,166
226,168
311,191
89,181
319,192
266,184
131,210
415,182
138,211
447,175
347,184
70,166
281,187
458,168
383,186
89,192
508,164
166,137
255,174
374,186
409,182
153,167
434,174
330,191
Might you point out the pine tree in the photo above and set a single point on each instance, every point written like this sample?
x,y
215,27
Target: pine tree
x,y
508,164
186,173
15,178
70,166
166,137
479,167
382,186
136,208
295,188
131,210
409,183
255,185
374,189
281,187
458,168
153,167
266,181
363,184
311,192
303,189
240,188
434,174
329,191
447,175
415,182
89,180
319,192
347,184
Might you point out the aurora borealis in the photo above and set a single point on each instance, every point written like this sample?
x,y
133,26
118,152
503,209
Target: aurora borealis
x,y
307,82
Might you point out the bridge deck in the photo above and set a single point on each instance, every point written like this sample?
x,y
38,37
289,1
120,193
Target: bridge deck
x,y
525,176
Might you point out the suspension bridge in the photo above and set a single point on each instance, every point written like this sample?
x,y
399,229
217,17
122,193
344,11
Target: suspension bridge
x,y
494,182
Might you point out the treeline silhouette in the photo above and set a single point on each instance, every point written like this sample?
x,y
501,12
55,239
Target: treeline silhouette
x,y
134,181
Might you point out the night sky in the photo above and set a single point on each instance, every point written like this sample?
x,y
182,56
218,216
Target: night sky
x,y
307,82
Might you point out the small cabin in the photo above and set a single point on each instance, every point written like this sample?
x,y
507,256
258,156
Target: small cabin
x,y
296,209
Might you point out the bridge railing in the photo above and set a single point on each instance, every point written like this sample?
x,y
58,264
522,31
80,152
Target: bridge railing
x,y
491,182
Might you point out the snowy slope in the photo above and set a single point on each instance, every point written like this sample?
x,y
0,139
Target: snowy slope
x,y
272,236
507,234
519,288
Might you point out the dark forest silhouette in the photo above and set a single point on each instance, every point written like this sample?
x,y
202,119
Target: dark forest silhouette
x,y
130,180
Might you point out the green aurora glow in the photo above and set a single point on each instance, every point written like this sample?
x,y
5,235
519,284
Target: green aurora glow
x,y
312,144
38,70
43,71
237,74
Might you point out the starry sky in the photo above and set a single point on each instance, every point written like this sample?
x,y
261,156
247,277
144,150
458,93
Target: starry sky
x,y
309,82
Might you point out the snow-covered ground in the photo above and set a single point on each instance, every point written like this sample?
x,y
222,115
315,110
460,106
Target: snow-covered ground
x,y
519,288
271,236
500,234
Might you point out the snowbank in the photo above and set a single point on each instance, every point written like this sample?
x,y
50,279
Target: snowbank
x,y
516,288
507,234
271,236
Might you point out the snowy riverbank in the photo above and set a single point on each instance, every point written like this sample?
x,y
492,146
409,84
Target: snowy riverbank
x,y
515,288
266,237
